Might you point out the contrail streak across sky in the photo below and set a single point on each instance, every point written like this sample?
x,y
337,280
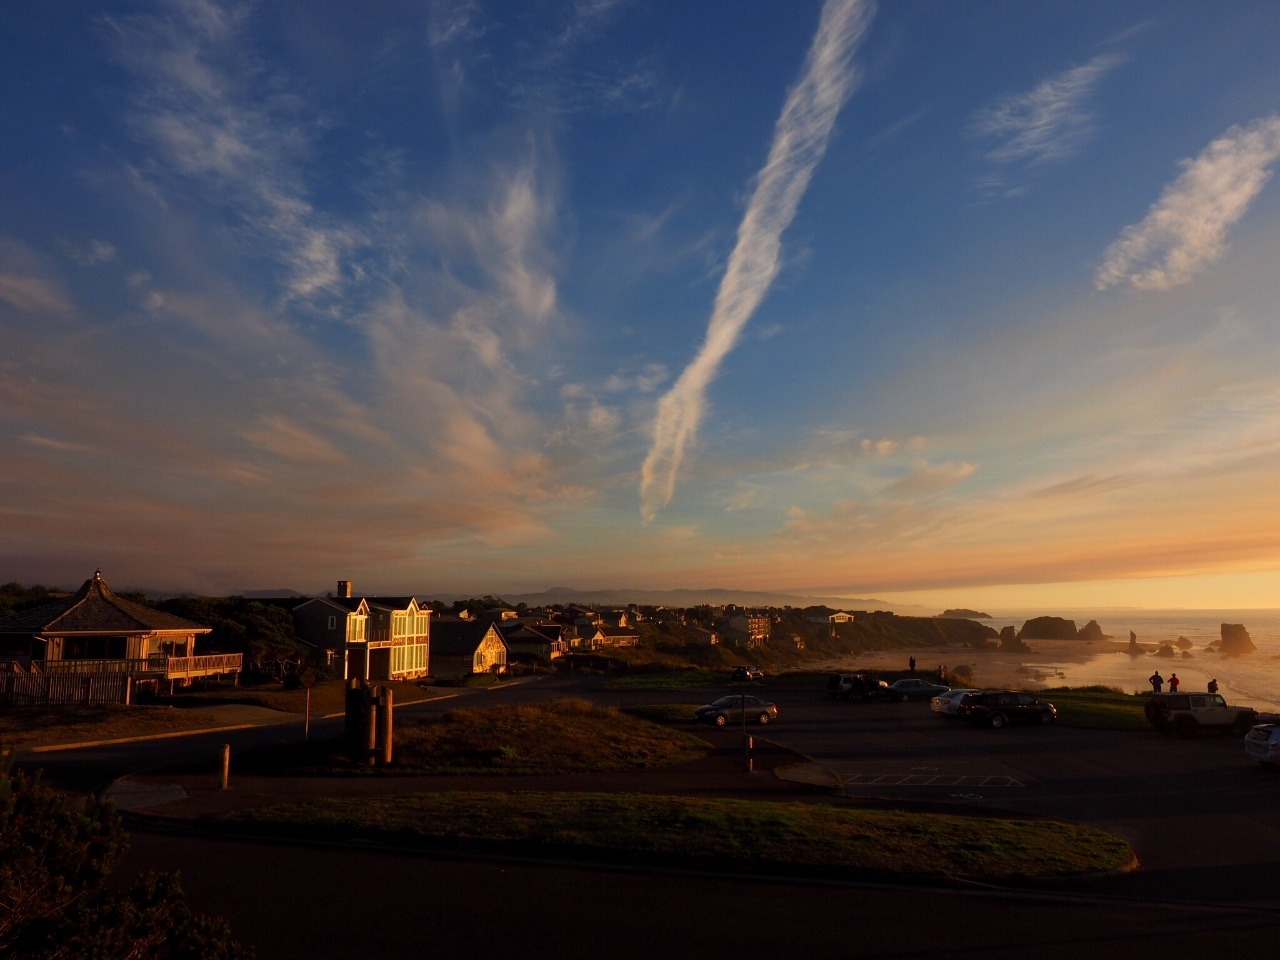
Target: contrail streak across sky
x,y
799,141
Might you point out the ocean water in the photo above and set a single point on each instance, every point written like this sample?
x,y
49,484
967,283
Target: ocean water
x,y
1251,680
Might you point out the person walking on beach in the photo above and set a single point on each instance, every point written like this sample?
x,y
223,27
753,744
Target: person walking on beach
x,y
1213,685
1173,683
1157,682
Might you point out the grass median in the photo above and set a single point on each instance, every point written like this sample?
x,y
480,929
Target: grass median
x,y
819,840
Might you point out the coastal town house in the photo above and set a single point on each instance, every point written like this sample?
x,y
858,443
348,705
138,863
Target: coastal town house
x,y
96,636
370,638
529,639
460,648
613,637
753,628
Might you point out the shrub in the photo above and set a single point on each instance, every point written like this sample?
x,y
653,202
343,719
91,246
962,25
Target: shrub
x,y
55,858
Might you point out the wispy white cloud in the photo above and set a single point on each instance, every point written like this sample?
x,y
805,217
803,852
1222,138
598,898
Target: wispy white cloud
x,y
1186,229
291,440
1049,122
928,479
32,294
204,103
799,141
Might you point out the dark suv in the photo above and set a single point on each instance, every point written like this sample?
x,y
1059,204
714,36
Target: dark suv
x,y
999,708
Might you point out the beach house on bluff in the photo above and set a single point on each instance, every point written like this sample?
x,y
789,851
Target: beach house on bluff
x,y
94,646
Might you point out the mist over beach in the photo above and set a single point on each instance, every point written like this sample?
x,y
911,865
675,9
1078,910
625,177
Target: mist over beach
x,y
1253,679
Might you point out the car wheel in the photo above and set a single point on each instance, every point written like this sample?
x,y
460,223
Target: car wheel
x,y
906,698
998,720
1185,727
1046,717
763,719
721,720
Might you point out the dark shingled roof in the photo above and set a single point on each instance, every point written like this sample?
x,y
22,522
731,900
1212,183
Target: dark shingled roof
x,y
94,609
457,637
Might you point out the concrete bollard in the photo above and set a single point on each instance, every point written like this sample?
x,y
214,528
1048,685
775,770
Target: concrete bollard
x,y
224,767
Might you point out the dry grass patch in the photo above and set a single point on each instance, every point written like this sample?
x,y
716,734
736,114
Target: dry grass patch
x,y
805,838
564,736
561,736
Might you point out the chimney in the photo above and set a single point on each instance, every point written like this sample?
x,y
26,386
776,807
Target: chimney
x,y
344,588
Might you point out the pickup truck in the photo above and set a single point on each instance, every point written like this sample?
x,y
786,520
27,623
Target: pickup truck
x,y
1186,714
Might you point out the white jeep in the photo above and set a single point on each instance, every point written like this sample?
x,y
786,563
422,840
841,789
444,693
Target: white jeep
x,y
1187,713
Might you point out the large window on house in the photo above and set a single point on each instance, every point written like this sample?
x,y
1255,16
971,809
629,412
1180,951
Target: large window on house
x,y
95,648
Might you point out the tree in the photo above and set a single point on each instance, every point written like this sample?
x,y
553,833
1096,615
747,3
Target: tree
x,y
55,858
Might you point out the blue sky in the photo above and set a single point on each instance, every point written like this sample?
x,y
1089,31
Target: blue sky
x,y
967,303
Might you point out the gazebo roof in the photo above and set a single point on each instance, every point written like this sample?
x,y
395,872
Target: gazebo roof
x,y
95,609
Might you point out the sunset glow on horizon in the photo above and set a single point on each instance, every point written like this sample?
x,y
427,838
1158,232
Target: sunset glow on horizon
x,y
954,304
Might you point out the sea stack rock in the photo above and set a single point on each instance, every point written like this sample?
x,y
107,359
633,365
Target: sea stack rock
x,y
1236,641
1010,643
1091,631
1134,649
1048,628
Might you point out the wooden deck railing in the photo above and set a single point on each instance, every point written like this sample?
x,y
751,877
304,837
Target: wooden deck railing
x,y
167,668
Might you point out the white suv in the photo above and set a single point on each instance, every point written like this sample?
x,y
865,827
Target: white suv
x,y
1262,743
1187,713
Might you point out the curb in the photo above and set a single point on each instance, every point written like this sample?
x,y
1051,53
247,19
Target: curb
x,y
52,747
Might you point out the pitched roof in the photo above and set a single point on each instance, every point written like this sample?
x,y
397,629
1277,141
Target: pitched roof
x,y
95,609
458,637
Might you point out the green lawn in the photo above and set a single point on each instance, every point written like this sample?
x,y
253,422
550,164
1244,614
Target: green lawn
x,y
1097,708
812,839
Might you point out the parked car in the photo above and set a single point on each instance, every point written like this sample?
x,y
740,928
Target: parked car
x,y
746,673
913,688
855,686
1186,714
1262,743
999,708
734,707
948,704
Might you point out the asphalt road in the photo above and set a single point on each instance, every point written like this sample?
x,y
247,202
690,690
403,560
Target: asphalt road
x,y
1201,818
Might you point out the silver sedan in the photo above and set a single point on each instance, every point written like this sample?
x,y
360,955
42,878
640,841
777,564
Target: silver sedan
x,y
948,704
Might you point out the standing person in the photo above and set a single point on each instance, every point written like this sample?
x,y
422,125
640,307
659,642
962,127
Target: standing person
x,y
1213,685
1157,682
942,673
1173,683
912,663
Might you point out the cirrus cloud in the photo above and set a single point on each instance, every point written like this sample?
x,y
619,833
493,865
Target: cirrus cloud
x,y
1186,229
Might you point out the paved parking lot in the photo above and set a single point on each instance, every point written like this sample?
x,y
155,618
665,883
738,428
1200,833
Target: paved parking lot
x,y
1201,817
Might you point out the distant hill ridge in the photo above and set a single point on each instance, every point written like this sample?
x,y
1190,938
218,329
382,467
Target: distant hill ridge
x,y
617,597
691,597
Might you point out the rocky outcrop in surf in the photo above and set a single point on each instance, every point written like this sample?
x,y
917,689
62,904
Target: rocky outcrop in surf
x,y
1048,628
1236,641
